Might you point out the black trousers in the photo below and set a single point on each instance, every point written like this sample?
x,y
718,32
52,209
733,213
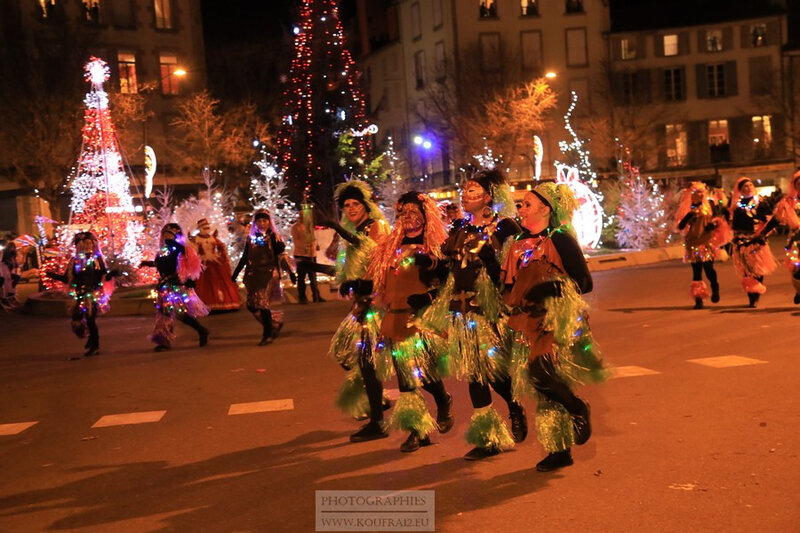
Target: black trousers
x,y
481,393
372,384
434,387
545,380
192,322
708,268
91,324
307,267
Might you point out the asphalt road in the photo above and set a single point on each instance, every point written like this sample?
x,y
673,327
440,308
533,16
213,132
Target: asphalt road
x,y
678,445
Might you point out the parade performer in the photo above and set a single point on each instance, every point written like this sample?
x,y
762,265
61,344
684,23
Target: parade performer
x,y
178,267
90,289
406,270
752,257
214,286
362,226
545,274
468,311
787,212
263,259
705,231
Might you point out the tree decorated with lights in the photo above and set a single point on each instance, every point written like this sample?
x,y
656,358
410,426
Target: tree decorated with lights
x,y
100,187
641,217
322,98
269,190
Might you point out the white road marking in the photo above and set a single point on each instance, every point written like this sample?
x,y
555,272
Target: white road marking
x,y
261,407
125,419
631,371
725,361
15,429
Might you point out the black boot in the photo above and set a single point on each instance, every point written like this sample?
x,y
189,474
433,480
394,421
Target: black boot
x,y
714,293
554,461
797,298
698,303
266,327
479,452
92,348
519,422
372,430
414,442
444,415
753,299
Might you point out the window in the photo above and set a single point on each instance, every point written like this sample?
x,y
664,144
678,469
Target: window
x,y
630,87
416,24
714,40
91,10
169,81
126,62
440,61
163,10
758,35
670,44
487,9
573,6
531,50
123,13
762,133
674,84
490,51
627,48
419,69
715,79
576,47
762,75
677,147
529,8
719,141
437,14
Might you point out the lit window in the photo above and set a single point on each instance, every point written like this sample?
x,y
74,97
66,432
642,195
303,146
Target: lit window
x,y
670,45
169,80
714,40
416,25
762,132
758,35
715,77
627,48
163,10
673,84
677,146
91,10
529,8
487,9
127,73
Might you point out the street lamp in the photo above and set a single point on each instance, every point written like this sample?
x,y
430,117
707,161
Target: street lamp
x,y
550,75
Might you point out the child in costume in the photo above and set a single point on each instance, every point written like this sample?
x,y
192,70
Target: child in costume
x,y
362,226
178,267
468,311
90,289
214,286
407,267
705,230
545,274
752,257
263,257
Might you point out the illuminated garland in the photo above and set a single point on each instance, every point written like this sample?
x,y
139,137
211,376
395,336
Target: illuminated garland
x,y
269,191
322,73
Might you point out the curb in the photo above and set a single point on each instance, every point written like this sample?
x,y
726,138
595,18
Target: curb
x,y
600,263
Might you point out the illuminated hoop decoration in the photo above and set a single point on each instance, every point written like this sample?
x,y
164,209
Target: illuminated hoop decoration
x,y
150,163
538,153
372,129
588,218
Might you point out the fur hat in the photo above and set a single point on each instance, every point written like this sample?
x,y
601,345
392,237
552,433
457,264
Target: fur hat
x,y
561,201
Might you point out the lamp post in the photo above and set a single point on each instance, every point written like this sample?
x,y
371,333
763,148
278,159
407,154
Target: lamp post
x,y
425,144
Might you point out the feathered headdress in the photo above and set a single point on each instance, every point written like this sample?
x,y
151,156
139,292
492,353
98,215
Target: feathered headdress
x,y
361,192
434,234
562,202
494,182
685,204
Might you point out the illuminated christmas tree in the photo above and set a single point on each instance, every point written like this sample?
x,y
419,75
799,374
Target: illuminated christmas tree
x,y
268,190
100,187
322,98
641,217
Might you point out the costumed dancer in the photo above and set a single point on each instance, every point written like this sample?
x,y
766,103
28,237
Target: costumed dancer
x,y
787,212
9,277
752,257
545,274
353,345
406,270
214,286
263,259
178,267
90,289
705,231
468,311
